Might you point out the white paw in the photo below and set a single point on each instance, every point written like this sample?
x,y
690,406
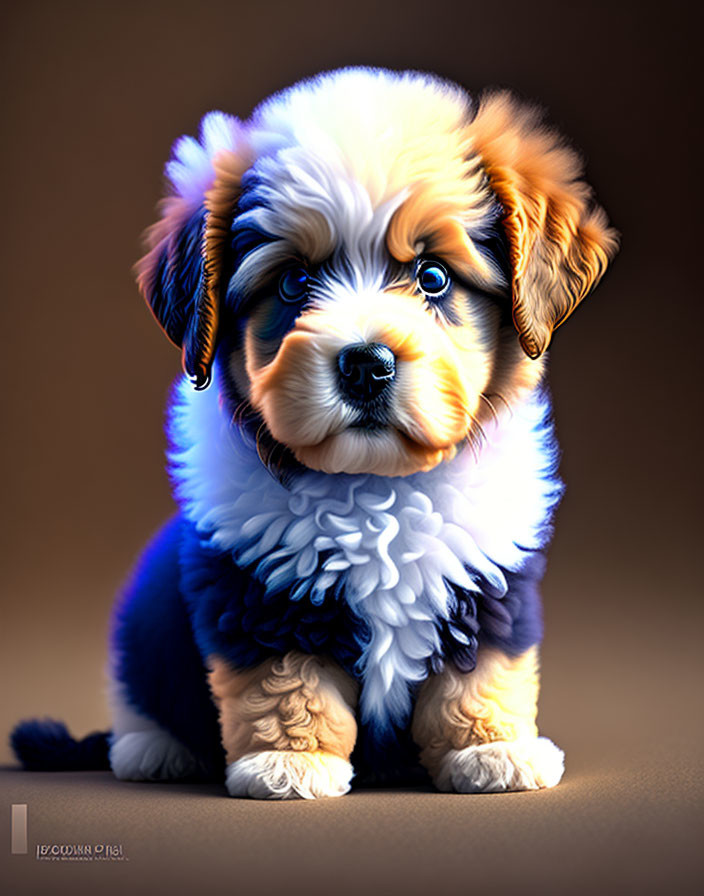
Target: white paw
x,y
528,764
152,755
286,775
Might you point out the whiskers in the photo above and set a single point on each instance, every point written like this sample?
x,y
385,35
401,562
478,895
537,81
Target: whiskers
x,y
476,434
485,399
500,397
242,414
276,458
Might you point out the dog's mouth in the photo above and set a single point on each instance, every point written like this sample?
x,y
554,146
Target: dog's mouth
x,y
380,437
370,426
371,419
371,446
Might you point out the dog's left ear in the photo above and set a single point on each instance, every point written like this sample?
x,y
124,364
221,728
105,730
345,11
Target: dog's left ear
x,y
180,275
559,238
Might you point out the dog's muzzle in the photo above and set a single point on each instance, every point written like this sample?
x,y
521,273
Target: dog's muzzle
x,y
365,371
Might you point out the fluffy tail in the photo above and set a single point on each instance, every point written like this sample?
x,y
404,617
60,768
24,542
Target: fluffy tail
x,y
46,745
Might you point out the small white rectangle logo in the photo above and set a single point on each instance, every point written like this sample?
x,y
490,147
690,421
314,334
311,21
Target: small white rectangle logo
x,y
19,828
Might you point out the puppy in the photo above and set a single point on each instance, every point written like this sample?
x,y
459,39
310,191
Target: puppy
x,y
363,279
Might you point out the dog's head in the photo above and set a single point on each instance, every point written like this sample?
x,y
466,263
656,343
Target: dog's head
x,y
377,263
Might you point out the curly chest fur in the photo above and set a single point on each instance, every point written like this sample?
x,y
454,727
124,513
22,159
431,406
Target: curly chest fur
x,y
410,556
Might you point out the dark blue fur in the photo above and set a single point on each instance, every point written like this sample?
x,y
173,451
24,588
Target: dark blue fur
x,y
234,618
156,657
511,621
386,756
177,279
46,745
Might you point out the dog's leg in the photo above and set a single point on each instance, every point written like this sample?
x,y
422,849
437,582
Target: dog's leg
x,y
288,727
141,750
477,731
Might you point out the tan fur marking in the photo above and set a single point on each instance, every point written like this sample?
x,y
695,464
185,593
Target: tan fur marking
x,y
220,202
442,370
296,702
437,214
496,702
559,239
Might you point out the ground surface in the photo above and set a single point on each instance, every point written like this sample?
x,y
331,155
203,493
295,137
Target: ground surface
x,y
628,828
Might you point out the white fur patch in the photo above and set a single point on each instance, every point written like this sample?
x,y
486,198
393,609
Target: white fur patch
x,y
190,169
286,775
150,756
527,764
392,543
141,750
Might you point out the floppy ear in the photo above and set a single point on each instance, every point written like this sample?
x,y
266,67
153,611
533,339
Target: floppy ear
x,y
559,238
180,275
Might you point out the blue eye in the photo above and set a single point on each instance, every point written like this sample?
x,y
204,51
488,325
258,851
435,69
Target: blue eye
x,y
432,278
293,284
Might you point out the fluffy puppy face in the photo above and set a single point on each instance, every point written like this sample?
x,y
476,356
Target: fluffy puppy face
x,y
372,380
375,262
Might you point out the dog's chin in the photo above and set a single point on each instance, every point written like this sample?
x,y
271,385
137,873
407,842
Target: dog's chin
x,y
383,451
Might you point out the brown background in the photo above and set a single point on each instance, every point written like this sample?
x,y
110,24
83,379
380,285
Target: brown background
x,y
93,96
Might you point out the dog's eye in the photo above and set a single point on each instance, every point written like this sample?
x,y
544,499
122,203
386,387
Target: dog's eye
x,y
293,284
432,278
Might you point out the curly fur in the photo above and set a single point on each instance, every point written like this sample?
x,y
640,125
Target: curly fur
x,y
498,702
299,703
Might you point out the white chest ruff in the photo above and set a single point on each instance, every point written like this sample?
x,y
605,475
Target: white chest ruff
x,y
391,543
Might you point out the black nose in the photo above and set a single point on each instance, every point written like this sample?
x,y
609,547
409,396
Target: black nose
x,y
366,370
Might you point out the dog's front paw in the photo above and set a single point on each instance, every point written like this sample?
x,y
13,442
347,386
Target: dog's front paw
x,y
286,775
528,764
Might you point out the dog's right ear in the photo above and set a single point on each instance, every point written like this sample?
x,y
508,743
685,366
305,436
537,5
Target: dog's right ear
x,y
559,238
180,274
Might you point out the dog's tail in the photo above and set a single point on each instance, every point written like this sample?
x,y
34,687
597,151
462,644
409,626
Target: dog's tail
x,y
46,745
